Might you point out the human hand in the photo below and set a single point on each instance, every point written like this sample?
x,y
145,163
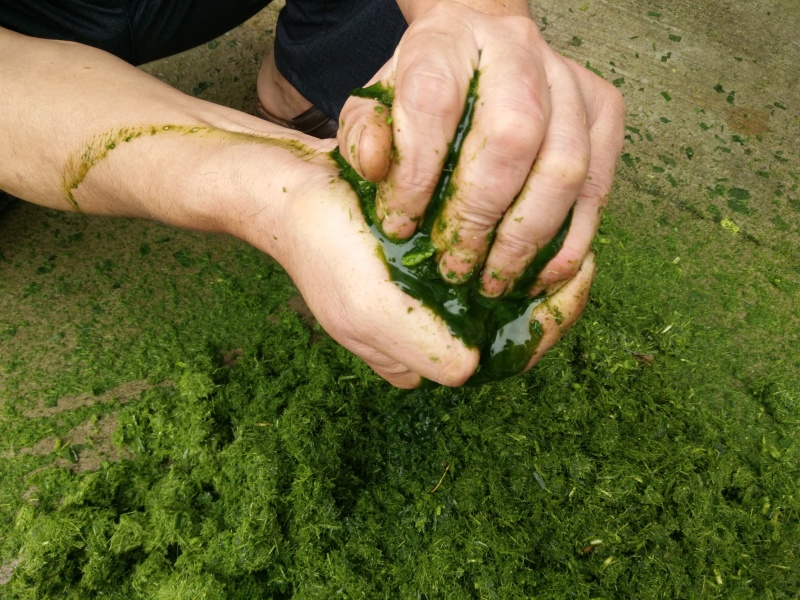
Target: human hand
x,y
333,257
545,138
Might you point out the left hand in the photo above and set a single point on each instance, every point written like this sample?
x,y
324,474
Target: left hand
x,y
316,230
545,137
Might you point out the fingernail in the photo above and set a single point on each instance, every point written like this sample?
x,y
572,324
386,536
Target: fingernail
x,y
398,225
541,287
537,289
493,285
380,210
456,268
547,289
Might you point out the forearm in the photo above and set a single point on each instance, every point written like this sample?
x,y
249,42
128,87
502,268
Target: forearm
x,y
412,9
82,130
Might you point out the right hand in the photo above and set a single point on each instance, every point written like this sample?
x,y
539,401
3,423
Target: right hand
x,y
545,137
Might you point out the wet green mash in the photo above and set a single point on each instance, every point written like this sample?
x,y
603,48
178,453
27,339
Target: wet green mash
x,y
501,328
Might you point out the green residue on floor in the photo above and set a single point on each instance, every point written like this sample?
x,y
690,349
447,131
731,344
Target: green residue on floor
x,y
648,455
173,423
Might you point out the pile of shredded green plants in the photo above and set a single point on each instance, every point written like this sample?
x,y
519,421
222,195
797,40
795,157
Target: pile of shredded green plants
x,y
653,453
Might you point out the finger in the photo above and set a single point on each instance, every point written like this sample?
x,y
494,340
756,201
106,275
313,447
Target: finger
x,y
559,312
351,293
393,333
434,68
365,131
508,127
605,117
396,326
550,189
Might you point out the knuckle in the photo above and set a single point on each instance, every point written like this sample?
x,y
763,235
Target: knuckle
x,y
474,219
416,180
515,132
505,156
611,94
517,122
521,29
430,89
389,367
594,197
566,169
611,99
615,97
516,245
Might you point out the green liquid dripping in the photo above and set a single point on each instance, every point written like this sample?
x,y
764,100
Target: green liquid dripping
x,y
501,328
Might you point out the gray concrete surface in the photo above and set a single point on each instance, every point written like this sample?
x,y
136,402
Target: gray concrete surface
x,y
713,128
709,177
711,88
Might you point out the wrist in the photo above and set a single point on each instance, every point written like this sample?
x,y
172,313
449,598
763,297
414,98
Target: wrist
x,y
239,192
413,9
223,178
260,183
190,176
219,171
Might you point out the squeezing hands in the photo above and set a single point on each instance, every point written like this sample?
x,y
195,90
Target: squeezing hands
x,y
544,140
542,144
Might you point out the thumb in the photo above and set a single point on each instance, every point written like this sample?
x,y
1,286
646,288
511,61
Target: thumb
x,y
365,130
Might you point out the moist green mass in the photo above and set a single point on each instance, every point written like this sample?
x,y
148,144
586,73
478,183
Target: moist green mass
x,y
501,328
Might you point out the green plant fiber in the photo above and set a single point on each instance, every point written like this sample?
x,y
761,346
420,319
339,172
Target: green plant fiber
x,y
294,472
174,425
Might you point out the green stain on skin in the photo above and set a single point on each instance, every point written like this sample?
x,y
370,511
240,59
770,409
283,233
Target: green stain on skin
x,y
100,146
501,328
376,91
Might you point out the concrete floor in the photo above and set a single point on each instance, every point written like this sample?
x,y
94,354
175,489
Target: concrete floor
x,y
713,96
713,128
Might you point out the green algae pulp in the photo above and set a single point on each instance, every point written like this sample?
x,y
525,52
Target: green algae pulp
x,y
501,328
376,91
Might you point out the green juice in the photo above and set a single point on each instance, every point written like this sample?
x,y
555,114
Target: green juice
x,y
501,328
